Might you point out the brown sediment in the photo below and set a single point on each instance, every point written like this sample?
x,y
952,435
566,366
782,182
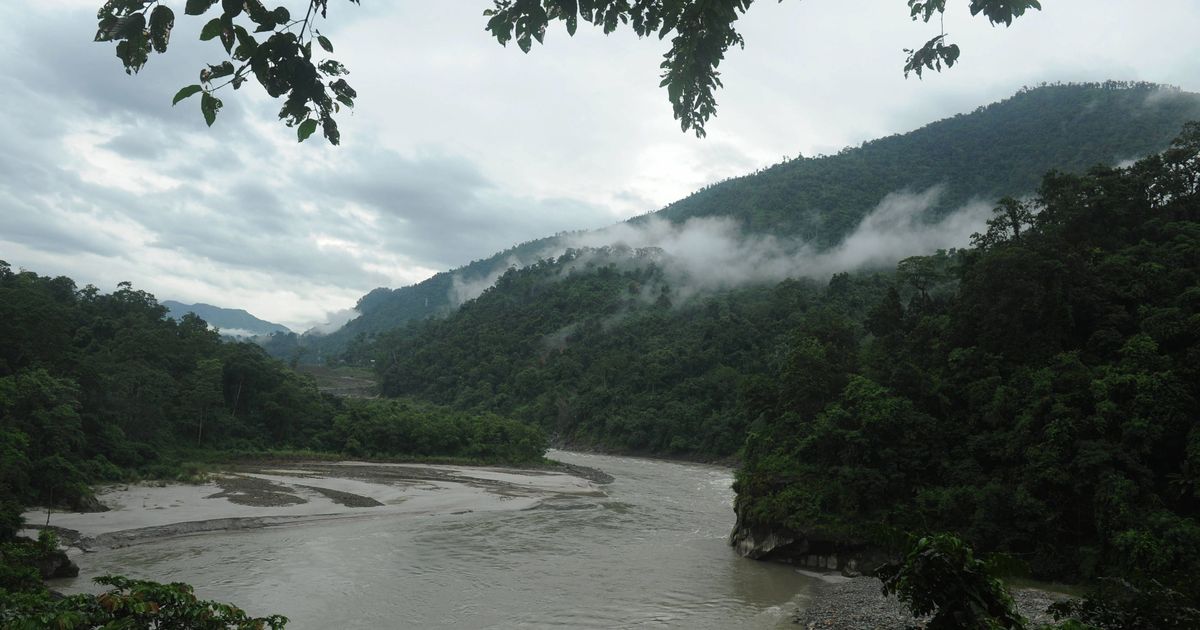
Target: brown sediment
x,y
347,499
254,492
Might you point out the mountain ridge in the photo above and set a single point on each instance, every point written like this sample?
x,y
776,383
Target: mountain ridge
x,y
230,321
997,149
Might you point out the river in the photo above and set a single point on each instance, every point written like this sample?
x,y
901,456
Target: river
x,y
651,553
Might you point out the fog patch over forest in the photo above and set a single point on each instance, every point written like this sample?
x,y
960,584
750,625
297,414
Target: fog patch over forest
x,y
706,254
463,290
334,320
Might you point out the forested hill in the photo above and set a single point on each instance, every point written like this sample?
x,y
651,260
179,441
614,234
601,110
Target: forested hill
x,y
1000,149
230,322
1003,148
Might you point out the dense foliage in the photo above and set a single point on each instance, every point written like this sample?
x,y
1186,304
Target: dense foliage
x,y
1001,149
282,61
132,604
1044,405
590,347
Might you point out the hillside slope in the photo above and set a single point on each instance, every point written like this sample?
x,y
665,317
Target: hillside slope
x,y
1003,148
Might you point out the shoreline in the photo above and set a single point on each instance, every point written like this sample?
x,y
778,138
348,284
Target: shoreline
x,y
840,603
277,493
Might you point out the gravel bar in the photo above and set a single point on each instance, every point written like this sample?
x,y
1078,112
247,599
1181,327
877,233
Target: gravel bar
x,y
858,604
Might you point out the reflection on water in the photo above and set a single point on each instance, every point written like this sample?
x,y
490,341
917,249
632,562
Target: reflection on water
x,y
650,554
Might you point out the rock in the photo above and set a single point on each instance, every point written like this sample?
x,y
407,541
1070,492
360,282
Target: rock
x,y
88,503
810,549
758,542
56,564
850,569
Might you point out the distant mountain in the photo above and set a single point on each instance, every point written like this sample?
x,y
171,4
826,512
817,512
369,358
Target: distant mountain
x,y
232,322
1001,149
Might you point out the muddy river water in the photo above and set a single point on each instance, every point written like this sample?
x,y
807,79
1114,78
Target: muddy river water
x,y
647,550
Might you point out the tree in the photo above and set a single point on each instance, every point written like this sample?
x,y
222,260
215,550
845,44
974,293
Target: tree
x,y
201,395
940,576
701,32
1012,216
283,64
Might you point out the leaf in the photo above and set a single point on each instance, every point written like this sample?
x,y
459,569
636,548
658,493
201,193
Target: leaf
x,y
324,41
212,30
198,7
217,72
246,44
209,106
306,129
107,29
131,26
186,92
162,20
332,67
330,128
227,35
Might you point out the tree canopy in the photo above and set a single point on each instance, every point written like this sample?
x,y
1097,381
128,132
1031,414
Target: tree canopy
x,y
276,48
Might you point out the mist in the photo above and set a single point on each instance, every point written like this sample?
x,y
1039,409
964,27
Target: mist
x,y
707,254
463,289
334,320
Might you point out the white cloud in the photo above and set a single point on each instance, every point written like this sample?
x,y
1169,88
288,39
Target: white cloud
x,y
459,148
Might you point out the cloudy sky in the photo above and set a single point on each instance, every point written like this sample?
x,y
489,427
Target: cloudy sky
x,y
459,148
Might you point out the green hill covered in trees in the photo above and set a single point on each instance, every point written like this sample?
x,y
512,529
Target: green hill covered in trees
x,y
1001,149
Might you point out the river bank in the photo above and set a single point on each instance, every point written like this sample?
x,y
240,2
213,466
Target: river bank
x,y
272,493
841,603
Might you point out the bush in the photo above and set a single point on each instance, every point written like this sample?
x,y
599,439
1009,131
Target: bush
x,y
10,519
941,576
129,604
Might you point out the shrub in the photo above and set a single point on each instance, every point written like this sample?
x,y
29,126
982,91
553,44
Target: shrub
x,y
941,576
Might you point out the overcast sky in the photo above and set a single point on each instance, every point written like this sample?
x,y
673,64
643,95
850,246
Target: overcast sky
x,y
459,148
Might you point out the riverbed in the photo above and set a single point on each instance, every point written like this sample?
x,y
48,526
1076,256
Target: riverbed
x,y
453,547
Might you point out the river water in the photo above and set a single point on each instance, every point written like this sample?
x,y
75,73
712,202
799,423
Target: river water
x,y
650,554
